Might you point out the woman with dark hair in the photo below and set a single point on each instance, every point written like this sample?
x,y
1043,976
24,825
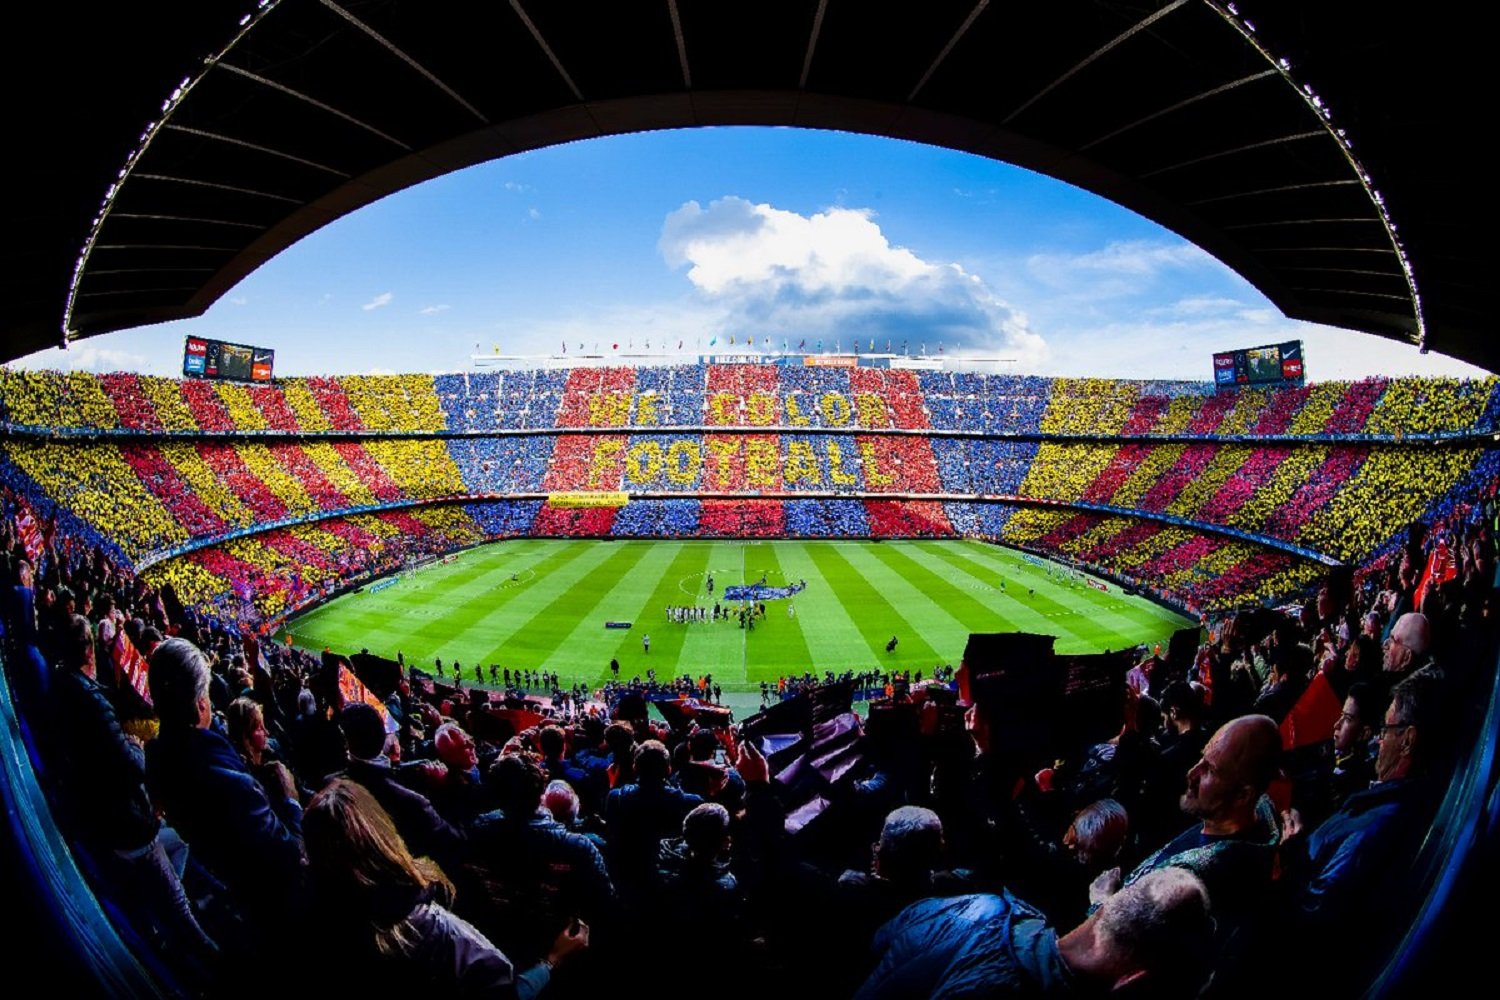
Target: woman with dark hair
x,y
391,909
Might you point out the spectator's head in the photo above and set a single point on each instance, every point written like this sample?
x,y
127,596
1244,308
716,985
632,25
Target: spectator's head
x,y
517,781
364,731
705,830
552,741
246,722
1356,723
652,762
1409,640
702,744
620,739
1411,727
1182,705
179,677
1098,833
455,747
1153,933
911,841
1236,768
1362,655
78,645
561,801
362,865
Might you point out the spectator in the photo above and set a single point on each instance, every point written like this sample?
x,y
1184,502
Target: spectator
x,y
1150,936
247,839
388,912
426,832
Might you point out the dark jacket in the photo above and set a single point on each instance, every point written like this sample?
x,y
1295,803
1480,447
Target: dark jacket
x,y
701,898
977,945
639,817
103,771
252,844
526,879
426,833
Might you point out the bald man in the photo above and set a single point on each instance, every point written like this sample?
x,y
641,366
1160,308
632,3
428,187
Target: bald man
x,y
1232,846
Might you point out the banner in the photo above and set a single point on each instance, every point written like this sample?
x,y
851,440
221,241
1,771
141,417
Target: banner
x,y
831,361
579,500
130,665
29,532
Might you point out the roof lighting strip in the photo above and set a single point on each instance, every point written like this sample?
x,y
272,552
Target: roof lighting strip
x,y
148,135
1231,15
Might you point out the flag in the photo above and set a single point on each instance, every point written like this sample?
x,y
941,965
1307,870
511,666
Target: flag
x,y
614,346
565,347
801,343
887,346
1312,719
28,530
713,340
731,339
354,691
679,345
872,343
1440,569
130,665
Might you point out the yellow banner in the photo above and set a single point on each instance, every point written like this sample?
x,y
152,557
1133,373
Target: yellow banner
x,y
588,499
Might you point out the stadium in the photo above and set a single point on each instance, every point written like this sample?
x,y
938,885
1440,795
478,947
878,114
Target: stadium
x,y
752,609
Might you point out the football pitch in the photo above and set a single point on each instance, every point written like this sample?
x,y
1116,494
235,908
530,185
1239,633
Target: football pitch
x,y
544,604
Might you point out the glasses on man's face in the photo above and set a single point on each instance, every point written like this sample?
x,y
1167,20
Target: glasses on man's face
x,y
1391,727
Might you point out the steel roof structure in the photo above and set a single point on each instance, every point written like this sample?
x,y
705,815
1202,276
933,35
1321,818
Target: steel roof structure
x,y
161,152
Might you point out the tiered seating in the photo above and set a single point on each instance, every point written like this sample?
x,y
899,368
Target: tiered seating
x,y
254,456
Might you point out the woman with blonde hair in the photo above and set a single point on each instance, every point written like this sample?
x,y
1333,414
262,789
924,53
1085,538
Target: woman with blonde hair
x,y
392,908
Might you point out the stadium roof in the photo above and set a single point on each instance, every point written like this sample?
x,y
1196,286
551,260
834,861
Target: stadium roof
x,y
238,137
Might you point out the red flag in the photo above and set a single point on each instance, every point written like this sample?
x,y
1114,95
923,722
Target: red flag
x,y
1312,719
1440,569
353,689
29,532
130,665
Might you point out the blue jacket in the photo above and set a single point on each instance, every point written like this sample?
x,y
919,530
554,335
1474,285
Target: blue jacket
x,y
979,945
639,817
1358,858
250,843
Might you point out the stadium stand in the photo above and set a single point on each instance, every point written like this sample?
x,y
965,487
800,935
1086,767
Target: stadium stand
x,y
137,509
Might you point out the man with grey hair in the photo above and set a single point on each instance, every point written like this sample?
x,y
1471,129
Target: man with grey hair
x,y
903,869
1353,879
1406,647
1151,935
249,841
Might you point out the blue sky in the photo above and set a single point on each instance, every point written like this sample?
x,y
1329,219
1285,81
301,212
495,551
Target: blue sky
x,y
689,235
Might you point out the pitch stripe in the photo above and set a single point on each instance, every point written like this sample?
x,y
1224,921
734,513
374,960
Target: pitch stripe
x,y
832,638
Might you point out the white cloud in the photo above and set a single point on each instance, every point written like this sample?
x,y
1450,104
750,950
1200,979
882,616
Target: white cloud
x,y
834,275
517,186
434,310
239,300
1116,270
88,358
383,299
533,214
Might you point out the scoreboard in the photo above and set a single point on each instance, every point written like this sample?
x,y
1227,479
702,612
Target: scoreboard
x,y
1273,364
215,359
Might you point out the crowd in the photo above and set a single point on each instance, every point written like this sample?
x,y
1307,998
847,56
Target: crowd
x,y
145,496
1264,797
745,395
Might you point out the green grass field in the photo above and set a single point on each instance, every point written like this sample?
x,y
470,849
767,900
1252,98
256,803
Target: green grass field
x,y
542,603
